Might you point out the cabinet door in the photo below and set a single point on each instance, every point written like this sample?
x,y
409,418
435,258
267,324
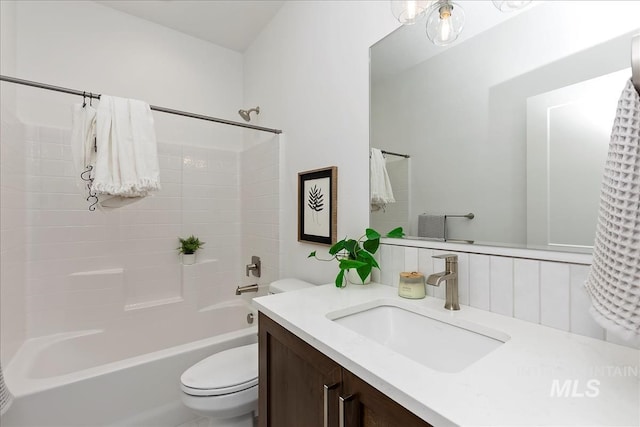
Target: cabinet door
x,y
361,405
298,385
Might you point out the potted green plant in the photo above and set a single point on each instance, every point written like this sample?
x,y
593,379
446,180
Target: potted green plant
x,y
357,255
188,248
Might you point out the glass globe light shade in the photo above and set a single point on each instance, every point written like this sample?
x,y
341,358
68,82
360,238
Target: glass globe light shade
x,y
510,5
407,12
445,22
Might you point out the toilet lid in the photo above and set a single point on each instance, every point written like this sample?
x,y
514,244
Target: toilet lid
x,y
226,372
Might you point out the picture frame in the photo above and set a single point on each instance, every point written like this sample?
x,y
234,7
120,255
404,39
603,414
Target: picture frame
x,y
318,205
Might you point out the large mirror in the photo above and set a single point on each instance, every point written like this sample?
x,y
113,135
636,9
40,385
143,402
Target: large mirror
x,y
511,122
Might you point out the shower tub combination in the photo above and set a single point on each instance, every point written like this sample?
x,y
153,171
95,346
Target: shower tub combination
x,y
126,377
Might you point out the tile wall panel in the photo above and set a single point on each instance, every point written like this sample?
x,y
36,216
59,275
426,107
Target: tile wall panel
x,y
501,285
480,281
13,241
259,200
526,293
554,295
200,195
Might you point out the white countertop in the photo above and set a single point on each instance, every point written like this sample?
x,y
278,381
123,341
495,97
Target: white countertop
x,y
509,386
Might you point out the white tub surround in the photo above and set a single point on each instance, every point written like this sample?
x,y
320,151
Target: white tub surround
x,y
519,383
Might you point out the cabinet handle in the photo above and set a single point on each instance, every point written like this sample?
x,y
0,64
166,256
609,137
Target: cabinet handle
x,y
342,412
327,388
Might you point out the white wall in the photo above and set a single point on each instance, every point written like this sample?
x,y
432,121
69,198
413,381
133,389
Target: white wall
x,y
12,203
308,71
8,50
86,46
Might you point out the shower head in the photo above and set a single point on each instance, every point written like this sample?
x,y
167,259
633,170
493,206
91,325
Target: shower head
x,y
245,114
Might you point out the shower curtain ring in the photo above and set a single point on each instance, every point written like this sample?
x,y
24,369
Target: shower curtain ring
x,y
84,99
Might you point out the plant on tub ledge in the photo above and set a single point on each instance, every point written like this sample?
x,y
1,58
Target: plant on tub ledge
x,y
188,248
357,256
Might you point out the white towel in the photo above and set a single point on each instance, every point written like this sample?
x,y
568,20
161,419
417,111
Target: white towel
x,y
127,157
432,226
614,278
83,133
381,191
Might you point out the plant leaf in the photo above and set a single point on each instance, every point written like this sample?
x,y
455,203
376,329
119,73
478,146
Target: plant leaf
x,y
350,245
396,233
372,234
312,254
368,258
364,271
340,279
346,264
372,245
337,247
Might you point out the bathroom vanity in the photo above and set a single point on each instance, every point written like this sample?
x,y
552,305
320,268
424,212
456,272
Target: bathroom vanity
x,y
362,356
300,386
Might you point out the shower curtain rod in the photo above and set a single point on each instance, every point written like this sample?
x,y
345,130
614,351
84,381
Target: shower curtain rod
x,y
153,107
391,153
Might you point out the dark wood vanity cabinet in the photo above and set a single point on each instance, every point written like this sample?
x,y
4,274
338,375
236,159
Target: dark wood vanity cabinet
x,y
301,387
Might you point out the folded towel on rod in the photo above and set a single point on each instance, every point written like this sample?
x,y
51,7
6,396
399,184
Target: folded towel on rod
x,y
381,191
127,153
432,226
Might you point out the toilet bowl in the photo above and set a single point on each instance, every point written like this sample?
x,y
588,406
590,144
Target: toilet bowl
x,y
224,387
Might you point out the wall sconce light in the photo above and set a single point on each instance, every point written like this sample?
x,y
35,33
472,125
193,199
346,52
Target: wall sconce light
x,y
445,22
445,19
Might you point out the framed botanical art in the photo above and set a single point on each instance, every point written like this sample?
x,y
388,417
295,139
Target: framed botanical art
x,y
317,205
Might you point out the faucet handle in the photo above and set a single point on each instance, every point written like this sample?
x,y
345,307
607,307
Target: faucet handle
x,y
447,257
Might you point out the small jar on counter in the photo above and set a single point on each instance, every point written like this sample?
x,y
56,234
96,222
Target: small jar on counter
x,y
412,285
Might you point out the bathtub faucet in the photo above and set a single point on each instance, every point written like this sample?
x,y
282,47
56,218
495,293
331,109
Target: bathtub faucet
x,y
248,288
255,267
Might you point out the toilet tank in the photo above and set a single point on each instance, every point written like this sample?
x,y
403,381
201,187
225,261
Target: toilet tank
x,y
286,285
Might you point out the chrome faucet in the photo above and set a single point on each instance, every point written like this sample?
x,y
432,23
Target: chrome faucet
x,y
255,267
450,277
248,288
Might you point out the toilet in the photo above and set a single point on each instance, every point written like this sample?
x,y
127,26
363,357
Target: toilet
x,y
224,387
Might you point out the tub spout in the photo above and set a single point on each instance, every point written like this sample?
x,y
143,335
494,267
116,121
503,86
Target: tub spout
x,y
249,288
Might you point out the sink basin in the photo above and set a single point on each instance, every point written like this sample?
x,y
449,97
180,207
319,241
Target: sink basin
x,y
441,344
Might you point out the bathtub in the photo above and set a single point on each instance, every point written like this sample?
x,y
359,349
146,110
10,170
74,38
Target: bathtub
x,y
120,376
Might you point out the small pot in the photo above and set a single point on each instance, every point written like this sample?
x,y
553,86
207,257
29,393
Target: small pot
x,y
188,259
354,279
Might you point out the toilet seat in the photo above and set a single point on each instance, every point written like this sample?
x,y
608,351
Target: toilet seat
x,y
227,372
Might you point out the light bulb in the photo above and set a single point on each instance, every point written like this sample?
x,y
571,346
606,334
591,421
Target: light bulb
x,y
444,23
407,12
510,5
445,27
